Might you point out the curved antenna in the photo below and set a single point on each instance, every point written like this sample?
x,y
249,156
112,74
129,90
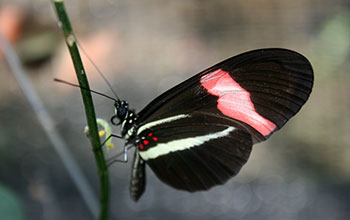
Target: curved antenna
x,y
75,85
97,69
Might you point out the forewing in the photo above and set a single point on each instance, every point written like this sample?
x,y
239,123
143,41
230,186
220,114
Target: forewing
x,y
261,89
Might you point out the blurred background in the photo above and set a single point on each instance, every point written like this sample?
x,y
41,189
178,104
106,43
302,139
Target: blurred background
x,y
146,47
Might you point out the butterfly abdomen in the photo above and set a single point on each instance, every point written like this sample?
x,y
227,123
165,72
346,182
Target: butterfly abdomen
x,y
138,177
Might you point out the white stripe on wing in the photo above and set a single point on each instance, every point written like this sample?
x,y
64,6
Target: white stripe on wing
x,y
161,121
181,144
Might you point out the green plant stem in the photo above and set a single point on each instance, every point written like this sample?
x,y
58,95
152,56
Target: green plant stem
x,y
70,39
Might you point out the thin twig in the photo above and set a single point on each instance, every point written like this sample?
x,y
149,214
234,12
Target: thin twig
x,y
70,39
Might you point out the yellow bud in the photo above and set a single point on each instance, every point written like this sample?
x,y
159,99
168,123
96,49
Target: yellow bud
x,y
110,146
101,133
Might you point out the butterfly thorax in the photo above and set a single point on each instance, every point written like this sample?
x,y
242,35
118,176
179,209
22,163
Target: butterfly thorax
x,y
128,125
126,118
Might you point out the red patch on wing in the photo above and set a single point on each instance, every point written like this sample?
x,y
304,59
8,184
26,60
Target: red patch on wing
x,y
234,101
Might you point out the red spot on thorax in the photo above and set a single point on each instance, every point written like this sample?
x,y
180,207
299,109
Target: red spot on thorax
x,y
150,134
155,138
141,146
145,142
234,101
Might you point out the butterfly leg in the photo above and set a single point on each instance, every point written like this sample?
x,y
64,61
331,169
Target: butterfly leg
x,y
109,137
109,145
115,158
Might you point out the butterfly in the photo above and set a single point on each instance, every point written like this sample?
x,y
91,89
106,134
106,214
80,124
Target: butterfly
x,y
200,133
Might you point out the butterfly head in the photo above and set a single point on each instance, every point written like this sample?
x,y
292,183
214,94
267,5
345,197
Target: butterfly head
x,y
121,109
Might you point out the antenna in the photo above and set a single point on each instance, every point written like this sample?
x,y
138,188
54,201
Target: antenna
x,y
75,85
97,69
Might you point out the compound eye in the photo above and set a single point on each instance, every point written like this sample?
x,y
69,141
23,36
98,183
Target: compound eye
x,y
115,120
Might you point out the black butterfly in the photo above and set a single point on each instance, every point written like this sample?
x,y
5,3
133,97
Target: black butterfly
x,y
200,133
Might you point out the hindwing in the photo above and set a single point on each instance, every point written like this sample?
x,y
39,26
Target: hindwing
x,y
197,151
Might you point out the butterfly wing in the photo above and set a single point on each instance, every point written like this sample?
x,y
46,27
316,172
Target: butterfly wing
x,y
262,89
200,133
196,152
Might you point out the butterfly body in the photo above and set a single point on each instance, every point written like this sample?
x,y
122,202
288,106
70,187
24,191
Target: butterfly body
x,y
200,133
